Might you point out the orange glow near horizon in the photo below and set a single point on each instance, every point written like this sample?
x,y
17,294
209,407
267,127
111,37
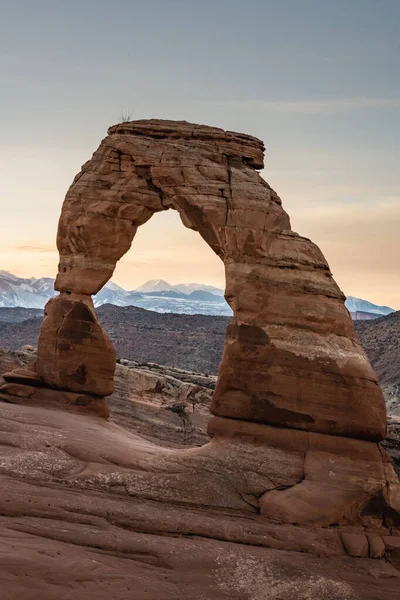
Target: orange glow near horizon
x,y
360,245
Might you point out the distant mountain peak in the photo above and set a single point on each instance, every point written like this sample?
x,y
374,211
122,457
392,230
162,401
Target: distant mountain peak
x,y
160,285
154,285
115,287
354,305
10,277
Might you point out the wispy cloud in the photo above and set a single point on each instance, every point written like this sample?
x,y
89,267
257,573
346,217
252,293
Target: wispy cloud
x,y
45,248
310,107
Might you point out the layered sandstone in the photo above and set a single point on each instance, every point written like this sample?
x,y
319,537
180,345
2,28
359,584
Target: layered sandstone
x,y
74,352
293,378
91,510
291,356
77,489
169,407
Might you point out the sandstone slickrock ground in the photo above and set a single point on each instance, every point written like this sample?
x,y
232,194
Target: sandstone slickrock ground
x,y
91,511
169,407
293,465
63,538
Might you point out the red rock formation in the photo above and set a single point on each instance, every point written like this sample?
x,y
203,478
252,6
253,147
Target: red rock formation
x,y
291,357
92,511
292,379
74,353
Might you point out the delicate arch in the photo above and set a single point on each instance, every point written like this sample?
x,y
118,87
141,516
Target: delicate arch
x,y
291,356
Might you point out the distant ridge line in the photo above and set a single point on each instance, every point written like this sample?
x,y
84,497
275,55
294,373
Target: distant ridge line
x,y
156,295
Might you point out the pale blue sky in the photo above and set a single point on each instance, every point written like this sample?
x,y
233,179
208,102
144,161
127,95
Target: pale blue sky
x,y
318,81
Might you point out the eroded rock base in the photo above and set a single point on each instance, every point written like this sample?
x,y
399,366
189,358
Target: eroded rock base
x,y
17,393
202,523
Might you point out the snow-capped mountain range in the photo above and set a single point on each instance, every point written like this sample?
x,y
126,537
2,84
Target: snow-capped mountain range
x,y
358,305
159,285
156,294
27,293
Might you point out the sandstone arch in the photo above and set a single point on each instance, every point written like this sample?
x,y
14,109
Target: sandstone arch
x,y
292,377
291,357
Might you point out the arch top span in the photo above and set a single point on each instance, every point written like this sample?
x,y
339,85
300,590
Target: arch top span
x,y
291,356
230,143
142,167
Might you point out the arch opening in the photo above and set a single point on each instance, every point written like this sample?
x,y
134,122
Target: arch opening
x,y
166,251
167,364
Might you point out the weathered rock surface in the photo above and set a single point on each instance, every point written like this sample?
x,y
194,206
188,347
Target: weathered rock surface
x,y
91,510
195,342
143,505
74,352
166,406
291,356
8,362
230,518
392,442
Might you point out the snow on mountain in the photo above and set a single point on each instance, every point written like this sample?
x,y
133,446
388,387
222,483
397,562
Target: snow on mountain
x,y
156,294
109,296
34,293
154,285
358,305
111,293
116,288
25,293
10,277
160,285
44,285
180,303
188,288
